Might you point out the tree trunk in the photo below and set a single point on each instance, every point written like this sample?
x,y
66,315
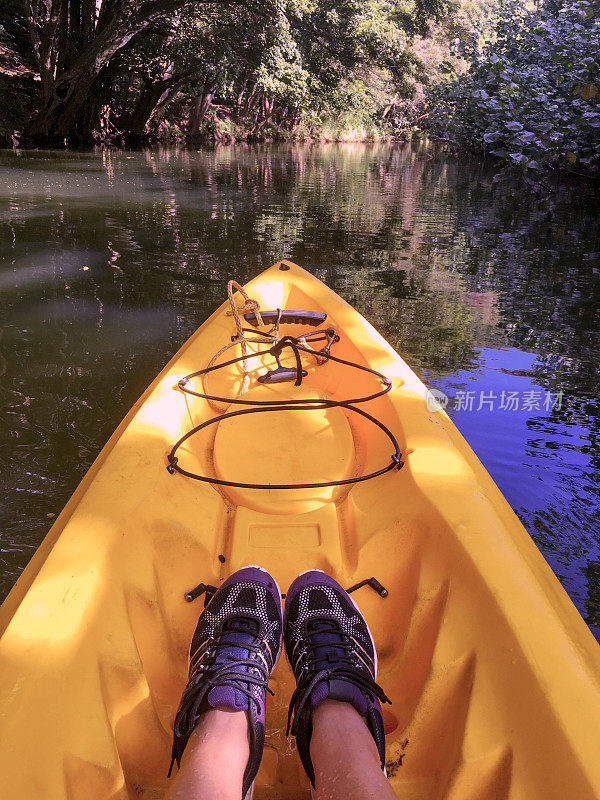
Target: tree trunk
x,y
200,106
61,120
135,124
240,97
390,105
73,43
251,98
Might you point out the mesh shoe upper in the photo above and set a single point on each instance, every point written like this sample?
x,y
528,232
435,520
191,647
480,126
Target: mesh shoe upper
x,y
331,651
233,652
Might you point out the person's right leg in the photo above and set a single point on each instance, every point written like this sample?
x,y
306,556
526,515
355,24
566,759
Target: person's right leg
x,y
336,708
345,756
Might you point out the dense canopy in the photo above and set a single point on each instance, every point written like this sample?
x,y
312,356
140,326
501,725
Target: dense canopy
x,y
118,71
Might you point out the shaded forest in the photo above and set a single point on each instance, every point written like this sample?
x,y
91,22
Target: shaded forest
x,y
123,72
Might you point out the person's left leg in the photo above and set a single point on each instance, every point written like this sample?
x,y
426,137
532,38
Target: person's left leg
x,y
221,718
344,755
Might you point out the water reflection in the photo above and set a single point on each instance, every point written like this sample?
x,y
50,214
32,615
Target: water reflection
x,y
475,288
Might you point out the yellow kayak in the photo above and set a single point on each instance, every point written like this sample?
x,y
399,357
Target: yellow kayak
x,y
494,677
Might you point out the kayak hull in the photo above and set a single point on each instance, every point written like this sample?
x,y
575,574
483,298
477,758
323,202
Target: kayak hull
x,y
492,673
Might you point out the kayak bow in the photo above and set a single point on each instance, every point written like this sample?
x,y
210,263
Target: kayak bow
x,y
493,675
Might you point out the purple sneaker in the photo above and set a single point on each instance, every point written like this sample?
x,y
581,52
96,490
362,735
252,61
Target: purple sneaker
x,y
330,649
234,649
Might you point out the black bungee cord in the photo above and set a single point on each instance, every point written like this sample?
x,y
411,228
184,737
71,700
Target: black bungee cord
x,y
307,404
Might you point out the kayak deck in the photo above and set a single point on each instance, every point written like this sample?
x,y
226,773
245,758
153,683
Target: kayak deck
x,y
492,673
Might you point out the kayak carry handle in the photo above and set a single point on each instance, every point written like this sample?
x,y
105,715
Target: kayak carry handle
x,y
280,375
372,582
313,318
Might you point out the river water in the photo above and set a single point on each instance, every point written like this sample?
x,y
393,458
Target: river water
x,y
110,260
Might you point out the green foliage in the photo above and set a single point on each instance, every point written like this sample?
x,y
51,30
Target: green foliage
x,y
331,65
357,56
531,95
129,71
281,73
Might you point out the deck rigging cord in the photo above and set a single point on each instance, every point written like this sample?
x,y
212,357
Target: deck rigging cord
x,y
297,345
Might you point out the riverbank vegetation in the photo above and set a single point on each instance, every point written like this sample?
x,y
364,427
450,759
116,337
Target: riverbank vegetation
x,y
125,72
531,95
514,81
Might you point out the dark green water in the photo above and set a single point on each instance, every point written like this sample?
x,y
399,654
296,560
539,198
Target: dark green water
x,y
494,300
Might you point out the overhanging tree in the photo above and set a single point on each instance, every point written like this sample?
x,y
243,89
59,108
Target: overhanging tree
x,y
76,44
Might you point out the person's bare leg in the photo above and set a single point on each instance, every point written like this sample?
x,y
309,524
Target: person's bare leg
x,y
344,756
215,758
219,725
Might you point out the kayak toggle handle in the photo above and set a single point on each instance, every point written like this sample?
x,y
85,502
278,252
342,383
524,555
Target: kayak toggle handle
x,y
206,589
284,315
373,583
288,341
